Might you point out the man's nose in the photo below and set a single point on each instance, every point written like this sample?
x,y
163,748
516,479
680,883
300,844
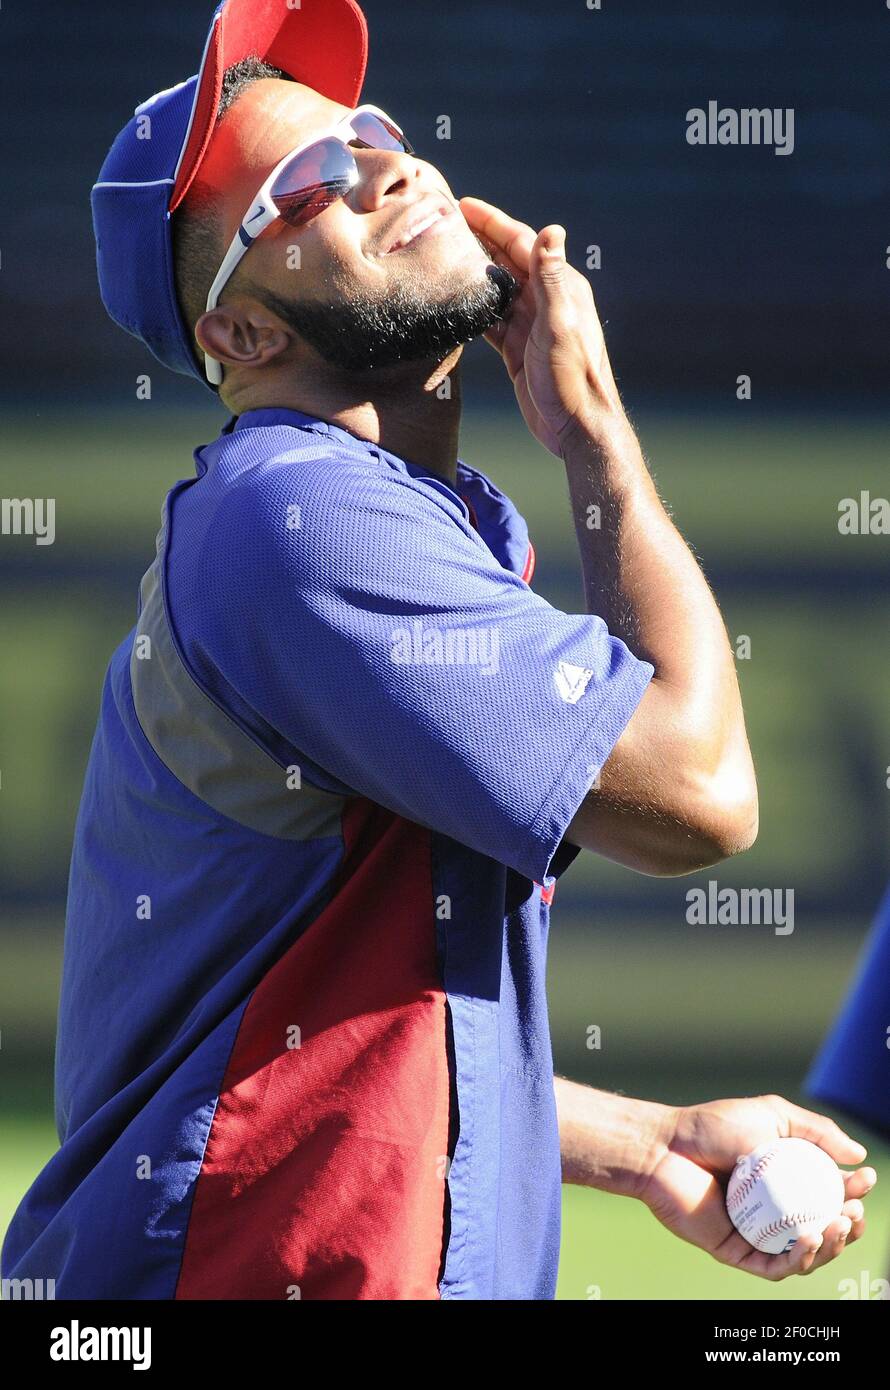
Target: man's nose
x,y
382,174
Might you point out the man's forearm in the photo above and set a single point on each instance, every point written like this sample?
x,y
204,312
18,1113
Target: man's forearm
x,y
683,769
639,574
607,1141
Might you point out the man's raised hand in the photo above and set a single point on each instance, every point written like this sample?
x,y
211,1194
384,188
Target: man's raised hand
x,y
551,340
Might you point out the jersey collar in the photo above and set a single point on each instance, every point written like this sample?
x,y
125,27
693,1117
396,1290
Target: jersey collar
x,y
497,520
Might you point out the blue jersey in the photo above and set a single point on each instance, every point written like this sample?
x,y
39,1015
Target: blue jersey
x,y
852,1069
303,1046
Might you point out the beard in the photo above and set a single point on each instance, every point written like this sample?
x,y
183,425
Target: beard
x,y
360,332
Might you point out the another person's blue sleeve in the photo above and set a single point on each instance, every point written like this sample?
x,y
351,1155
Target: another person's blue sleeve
x,y
852,1068
385,642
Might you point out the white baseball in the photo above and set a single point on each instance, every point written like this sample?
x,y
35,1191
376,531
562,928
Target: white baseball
x,y
785,1189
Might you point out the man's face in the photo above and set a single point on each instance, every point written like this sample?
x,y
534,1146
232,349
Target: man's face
x,y
359,297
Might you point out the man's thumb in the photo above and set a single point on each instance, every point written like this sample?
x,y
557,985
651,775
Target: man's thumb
x,y
548,258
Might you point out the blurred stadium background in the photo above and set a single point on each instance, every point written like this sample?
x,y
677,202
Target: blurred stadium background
x,y
716,262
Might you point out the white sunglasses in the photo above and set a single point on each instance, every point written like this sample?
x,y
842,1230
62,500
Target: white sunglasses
x,y
302,184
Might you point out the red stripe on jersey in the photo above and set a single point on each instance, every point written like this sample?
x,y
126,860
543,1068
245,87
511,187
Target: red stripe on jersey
x,y
323,1175
529,564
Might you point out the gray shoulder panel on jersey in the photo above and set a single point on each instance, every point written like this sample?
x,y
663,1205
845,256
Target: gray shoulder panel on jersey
x,y
204,748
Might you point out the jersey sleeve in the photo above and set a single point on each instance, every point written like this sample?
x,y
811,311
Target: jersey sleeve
x,y
366,621
852,1068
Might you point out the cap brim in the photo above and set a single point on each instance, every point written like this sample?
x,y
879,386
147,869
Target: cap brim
x,y
324,45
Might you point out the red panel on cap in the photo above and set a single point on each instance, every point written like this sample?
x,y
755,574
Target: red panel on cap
x,y
324,45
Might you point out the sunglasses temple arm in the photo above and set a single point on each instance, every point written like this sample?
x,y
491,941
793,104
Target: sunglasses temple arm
x,y
240,245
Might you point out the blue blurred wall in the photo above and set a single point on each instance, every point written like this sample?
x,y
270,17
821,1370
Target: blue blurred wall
x,y
716,260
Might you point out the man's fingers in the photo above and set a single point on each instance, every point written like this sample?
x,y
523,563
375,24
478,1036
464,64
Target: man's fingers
x,y
859,1183
835,1237
735,1251
819,1129
514,239
854,1211
809,1253
495,334
508,336
775,1267
804,1255
857,1219
548,267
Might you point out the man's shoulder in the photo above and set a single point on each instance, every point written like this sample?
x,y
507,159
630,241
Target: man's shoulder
x,y
313,481
304,507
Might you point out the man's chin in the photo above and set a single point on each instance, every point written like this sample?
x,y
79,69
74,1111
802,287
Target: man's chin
x,y
482,304
368,333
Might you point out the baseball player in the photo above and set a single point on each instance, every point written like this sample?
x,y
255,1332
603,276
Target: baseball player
x,y
346,751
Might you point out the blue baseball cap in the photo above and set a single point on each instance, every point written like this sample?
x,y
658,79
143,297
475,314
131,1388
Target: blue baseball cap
x,y
155,158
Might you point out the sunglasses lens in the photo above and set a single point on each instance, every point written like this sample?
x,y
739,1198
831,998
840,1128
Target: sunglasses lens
x,y
379,133
326,171
312,180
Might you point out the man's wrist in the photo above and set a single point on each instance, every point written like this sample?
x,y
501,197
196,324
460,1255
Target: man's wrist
x,y
603,450
596,426
610,1142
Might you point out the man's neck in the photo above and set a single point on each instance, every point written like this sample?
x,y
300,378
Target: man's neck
x,y
418,418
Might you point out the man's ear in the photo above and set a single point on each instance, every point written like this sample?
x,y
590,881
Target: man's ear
x,y
241,334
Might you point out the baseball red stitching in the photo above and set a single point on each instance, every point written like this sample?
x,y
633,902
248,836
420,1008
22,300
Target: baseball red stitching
x,y
796,1218
746,1184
